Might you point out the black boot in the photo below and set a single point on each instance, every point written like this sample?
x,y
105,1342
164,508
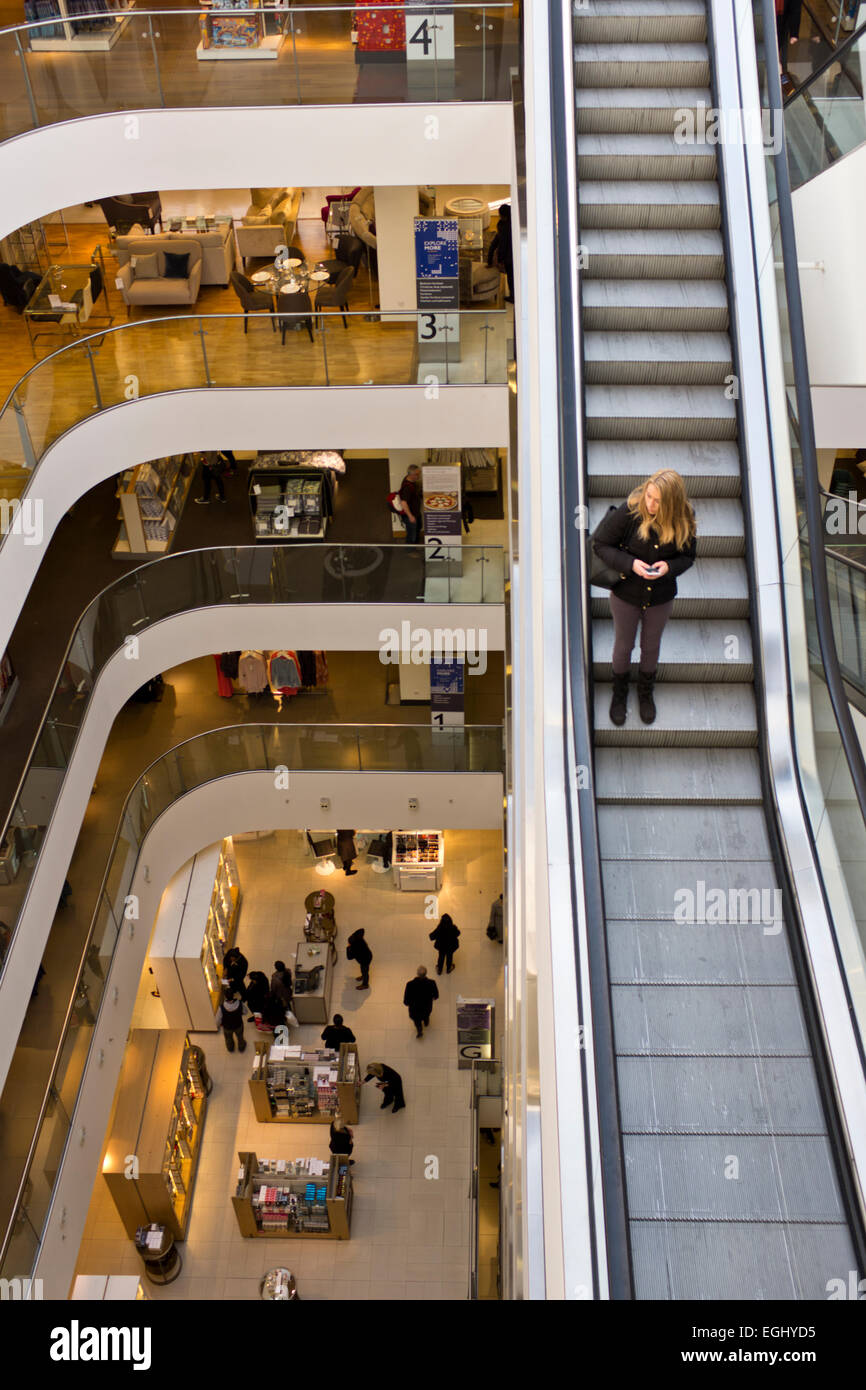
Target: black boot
x,y
646,704
619,703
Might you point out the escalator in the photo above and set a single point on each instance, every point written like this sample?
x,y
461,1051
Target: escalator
x,y
735,1182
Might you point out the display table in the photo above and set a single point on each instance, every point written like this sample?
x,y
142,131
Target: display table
x,y
161,1257
292,1084
320,924
419,860
68,286
314,966
300,1198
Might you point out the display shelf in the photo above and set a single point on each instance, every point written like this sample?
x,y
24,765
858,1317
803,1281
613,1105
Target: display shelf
x,y
90,40
195,926
233,31
419,860
297,1085
313,977
289,503
152,498
158,1120
293,1198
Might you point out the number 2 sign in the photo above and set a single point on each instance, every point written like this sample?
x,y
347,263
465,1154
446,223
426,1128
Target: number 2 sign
x,y
429,37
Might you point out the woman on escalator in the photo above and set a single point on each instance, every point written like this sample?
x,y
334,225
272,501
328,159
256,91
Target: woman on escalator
x,y
650,540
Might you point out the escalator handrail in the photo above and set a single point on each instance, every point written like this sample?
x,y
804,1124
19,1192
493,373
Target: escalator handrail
x,y
835,57
575,597
808,450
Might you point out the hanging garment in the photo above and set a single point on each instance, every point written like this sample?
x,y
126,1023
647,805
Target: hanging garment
x,y
307,663
229,664
283,673
252,672
321,668
224,685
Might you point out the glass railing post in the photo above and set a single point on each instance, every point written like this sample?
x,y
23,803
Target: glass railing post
x,y
153,37
24,433
483,55
295,58
178,763
30,96
322,330
88,352
200,333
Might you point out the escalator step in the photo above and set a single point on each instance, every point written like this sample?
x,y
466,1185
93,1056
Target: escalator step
x,y
714,776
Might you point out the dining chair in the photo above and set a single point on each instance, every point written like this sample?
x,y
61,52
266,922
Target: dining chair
x,y
253,301
289,307
336,296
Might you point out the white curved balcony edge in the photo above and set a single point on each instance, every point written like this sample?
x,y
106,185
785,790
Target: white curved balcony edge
x,y
175,640
348,417
78,161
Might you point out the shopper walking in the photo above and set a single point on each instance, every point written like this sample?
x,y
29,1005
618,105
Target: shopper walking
x,y
337,1032
418,996
501,252
347,851
235,966
274,1014
390,1083
342,1140
410,496
281,984
650,540
230,1017
444,937
211,472
358,950
788,16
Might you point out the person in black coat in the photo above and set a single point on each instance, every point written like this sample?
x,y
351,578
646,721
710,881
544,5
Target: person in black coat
x,y
501,252
444,938
281,984
342,1140
347,851
337,1032
230,1017
390,1083
235,965
273,1012
418,997
257,991
358,950
650,540
788,27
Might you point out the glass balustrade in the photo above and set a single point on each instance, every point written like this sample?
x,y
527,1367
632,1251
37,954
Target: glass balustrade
x,y
826,117
197,352
32,1156
137,59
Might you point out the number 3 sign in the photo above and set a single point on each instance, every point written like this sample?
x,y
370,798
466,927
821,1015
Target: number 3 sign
x,y
429,37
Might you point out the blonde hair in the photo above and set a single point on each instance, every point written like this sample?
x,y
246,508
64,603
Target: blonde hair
x,y
674,520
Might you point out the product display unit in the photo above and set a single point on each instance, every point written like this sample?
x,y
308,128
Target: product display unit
x,y
293,1197
419,860
239,29
292,1084
289,504
159,1119
314,968
152,497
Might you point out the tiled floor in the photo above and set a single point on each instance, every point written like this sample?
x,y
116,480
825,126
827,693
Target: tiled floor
x,y
410,1235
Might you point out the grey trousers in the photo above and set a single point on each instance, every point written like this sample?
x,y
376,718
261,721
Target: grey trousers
x,y
627,617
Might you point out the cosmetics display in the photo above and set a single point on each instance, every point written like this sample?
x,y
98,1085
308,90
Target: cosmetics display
x,y
419,860
158,1120
293,1084
293,1197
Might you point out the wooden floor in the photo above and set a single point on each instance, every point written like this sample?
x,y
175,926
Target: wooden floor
x,y
317,67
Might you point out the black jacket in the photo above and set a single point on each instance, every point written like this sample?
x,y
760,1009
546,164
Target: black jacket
x,y
418,996
444,936
337,1033
617,543
341,1141
357,949
281,987
257,993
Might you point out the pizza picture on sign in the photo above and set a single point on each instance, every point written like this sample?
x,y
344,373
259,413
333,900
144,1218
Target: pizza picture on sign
x,y
440,502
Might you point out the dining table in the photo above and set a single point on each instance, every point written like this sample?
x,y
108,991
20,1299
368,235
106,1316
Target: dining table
x,y
290,277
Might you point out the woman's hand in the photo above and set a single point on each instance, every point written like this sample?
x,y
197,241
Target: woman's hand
x,y
661,569
642,569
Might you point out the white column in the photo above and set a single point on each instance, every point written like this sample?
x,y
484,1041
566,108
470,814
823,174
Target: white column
x,y
396,209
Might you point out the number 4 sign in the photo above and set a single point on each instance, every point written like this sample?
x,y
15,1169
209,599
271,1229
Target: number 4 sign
x,y
429,37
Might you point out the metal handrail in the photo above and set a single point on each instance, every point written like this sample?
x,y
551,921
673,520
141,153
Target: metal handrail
x,y
806,426
412,6
49,1090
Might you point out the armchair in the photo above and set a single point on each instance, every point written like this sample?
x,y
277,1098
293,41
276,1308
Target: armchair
x,y
269,221
129,209
336,296
253,301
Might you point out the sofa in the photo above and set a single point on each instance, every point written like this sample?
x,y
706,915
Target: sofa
x,y
158,288
217,250
269,221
